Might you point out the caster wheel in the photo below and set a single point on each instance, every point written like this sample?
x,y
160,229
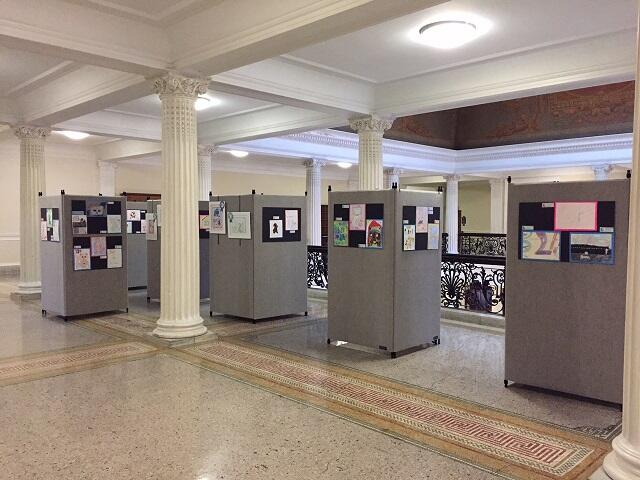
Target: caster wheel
x,y
44,313
306,314
210,313
328,341
394,355
506,384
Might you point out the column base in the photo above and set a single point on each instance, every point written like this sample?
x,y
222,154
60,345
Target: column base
x,y
28,288
623,463
193,328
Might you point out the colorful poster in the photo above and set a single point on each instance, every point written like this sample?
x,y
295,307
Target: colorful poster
x,y
409,237
134,215
239,224
49,217
98,246
96,209
143,226
81,259
595,248
275,228
55,231
43,230
422,219
217,212
581,216
540,245
204,221
79,224
114,224
152,228
341,233
357,216
374,233
114,258
291,220
433,236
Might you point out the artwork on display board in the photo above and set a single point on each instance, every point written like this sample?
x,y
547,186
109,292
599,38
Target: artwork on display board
x,y
81,259
55,231
341,233
576,216
114,224
594,248
152,227
159,215
204,221
291,220
357,216
217,212
433,236
98,246
422,219
374,233
49,217
129,227
79,223
408,237
134,215
96,209
44,231
239,224
114,258
541,245
143,226
275,228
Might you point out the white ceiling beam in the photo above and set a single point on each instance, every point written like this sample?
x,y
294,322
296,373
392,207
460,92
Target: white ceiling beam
x,y
594,61
115,124
126,149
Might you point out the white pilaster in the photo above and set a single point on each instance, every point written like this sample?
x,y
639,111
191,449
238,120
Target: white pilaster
x,y
370,131
204,170
391,176
179,252
107,178
32,181
602,172
623,463
352,184
498,205
314,199
451,211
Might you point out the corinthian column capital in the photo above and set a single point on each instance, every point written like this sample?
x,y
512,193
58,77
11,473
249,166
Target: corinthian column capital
x,y
314,163
206,150
371,123
175,84
451,178
26,131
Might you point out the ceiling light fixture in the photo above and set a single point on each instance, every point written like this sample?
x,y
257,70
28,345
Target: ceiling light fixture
x,y
448,34
238,153
74,135
344,164
206,101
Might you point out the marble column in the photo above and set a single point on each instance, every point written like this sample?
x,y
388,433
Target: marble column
x,y
32,181
204,170
391,176
314,199
451,211
498,205
107,178
623,463
179,252
370,130
602,172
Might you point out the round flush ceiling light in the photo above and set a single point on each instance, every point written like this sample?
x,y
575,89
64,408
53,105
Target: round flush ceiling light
x,y
74,135
448,34
344,164
206,101
238,153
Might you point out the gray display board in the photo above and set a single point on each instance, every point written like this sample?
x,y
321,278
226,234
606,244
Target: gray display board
x,y
153,256
385,297
137,257
565,320
100,286
253,278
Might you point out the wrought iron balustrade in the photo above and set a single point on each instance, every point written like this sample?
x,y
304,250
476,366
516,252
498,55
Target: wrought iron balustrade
x,y
489,244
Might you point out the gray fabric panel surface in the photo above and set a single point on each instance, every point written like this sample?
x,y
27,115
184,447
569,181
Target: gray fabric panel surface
x,y
52,273
137,252
417,282
565,321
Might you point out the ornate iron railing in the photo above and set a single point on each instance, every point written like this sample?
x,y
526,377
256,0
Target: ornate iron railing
x,y
487,244
467,282
472,282
317,267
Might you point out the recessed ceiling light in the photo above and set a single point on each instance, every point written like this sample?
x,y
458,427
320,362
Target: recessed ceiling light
x,y
451,31
206,101
74,135
344,164
238,153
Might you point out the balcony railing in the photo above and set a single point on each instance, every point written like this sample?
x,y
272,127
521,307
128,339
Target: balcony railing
x,y
467,282
485,244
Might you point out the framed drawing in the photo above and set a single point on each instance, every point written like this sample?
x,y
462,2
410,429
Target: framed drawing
x,y
239,224
576,216
540,245
594,248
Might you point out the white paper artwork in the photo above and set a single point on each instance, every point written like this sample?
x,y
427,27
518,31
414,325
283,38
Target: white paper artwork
x,y
576,216
114,224
291,220
114,258
152,227
43,230
81,259
143,226
275,228
79,224
239,224
134,215
55,235
217,214
422,219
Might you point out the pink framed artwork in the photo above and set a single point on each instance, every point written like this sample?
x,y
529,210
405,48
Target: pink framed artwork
x,y
576,216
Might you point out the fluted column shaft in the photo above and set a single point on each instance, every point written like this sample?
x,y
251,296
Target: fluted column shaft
x,y
107,178
391,176
314,199
179,251
370,131
498,205
32,181
623,463
451,220
204,170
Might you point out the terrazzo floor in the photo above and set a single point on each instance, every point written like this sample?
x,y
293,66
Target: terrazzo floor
x,y
101,398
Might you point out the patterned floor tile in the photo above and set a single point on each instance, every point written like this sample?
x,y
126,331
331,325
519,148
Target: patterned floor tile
x,y
515,447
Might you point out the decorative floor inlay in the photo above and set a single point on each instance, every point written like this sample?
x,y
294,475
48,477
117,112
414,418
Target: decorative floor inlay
x,y
51,363
233,326
510,445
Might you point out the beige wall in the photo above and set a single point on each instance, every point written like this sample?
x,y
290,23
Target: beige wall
x,y
474,200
